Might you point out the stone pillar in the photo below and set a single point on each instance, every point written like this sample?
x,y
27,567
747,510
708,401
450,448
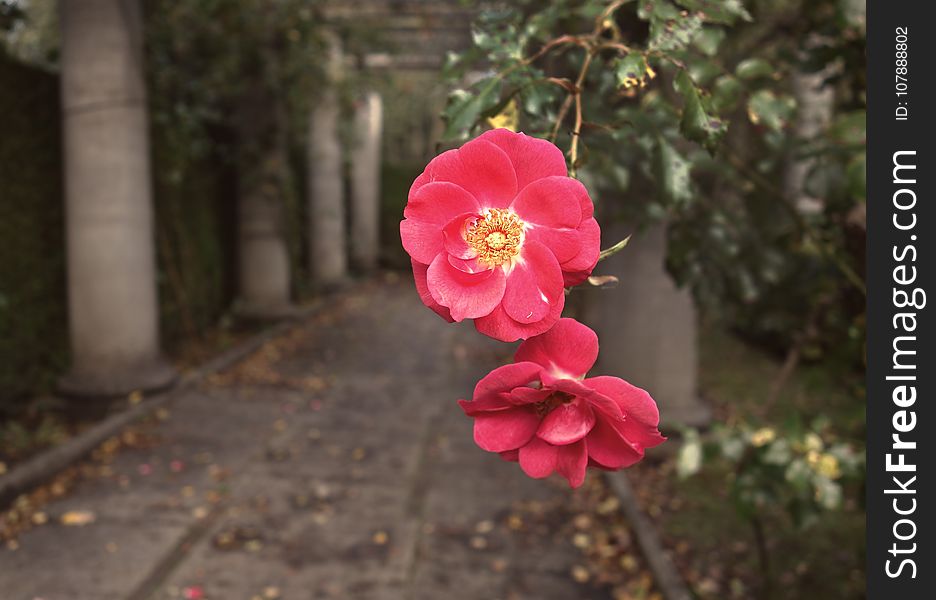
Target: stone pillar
x,y
647,326
113,309
264,266
328,262
815,102
365,182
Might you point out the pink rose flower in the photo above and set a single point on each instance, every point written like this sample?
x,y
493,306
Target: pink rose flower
x,y
542,412
495,230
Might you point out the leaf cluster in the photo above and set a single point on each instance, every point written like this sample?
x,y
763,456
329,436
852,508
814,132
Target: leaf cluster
x,y
687,111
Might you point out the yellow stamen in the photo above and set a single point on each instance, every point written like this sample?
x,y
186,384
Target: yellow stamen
x,y
496,236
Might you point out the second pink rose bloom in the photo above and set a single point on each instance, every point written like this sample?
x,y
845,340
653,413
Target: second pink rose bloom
x,y
542,412
496,230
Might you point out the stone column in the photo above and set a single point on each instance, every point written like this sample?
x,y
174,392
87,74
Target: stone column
x,y
647,326
365,182
264,265
113,309
328,262
265,283
815,102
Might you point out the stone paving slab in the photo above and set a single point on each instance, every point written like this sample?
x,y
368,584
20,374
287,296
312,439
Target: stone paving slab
x,y
335,464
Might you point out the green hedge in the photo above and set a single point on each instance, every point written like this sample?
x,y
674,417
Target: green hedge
x,y
194,237
33,322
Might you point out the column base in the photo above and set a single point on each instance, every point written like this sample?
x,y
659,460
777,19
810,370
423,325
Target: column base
x,y
103,383
697,414
332,285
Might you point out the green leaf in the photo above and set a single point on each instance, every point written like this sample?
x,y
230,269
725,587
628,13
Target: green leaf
x,y
613,249
631,70
726,94
659,10
708,39
697,124
718,11
703,71
676,33
464,108
538,97
673,174
856,177
754,68
772,111
849,128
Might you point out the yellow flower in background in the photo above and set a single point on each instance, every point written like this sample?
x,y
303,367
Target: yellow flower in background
x,y
812,457
509,118
763,436
828,465
813,442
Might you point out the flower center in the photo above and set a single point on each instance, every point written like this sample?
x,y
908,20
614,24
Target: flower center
x,y
552,401
496,236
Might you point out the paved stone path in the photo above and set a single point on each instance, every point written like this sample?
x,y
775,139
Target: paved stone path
x,y
334,463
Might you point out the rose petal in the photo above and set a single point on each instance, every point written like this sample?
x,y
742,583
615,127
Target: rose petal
x,y
528,395
567,423
594,464
506,429
641,415
481,168
506,378
533,285
580,390
453,235
552,202
532,158
538,459
607,406
500,326
563,243
635,402
421,180
572,462
491,403
422,288
468,265
573,279
589,240
422,241
467,295
440,202
608,447
568,350
587,206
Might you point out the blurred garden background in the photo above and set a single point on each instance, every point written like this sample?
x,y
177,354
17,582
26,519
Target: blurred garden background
x,y
199,227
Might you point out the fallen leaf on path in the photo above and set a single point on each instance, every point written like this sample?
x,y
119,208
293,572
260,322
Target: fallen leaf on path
x,y
580,574
77,518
